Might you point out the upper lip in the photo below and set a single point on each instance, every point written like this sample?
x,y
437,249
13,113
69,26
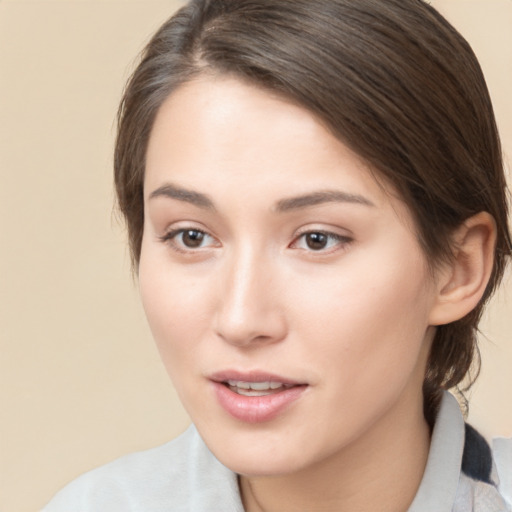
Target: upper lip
x,y
252,376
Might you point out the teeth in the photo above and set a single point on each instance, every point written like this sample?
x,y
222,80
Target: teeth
x,y
239,384
252,392
256,386
260,386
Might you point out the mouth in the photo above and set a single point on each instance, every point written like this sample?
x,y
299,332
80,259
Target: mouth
x,y
266,388
255,397
254,383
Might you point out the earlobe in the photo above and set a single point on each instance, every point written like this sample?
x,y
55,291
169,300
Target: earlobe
x,y
462,283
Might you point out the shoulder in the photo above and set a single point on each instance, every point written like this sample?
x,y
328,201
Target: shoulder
x,y
116,486
462,472
486,479
479,496
502,451
181,475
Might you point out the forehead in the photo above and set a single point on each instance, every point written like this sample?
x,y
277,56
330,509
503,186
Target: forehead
x,y
225,135
232,115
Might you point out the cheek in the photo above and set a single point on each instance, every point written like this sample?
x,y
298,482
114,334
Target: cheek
x,y
176,307
373,315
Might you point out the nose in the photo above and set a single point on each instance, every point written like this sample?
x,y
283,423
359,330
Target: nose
x,y
249,309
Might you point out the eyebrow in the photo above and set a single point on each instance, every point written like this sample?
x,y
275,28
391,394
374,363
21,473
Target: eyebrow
x,y
182,194
321,197
284,205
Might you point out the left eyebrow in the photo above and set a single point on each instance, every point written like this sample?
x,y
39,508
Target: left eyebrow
x,y
321,197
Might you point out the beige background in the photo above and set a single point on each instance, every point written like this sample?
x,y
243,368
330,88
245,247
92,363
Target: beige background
x,y
80,380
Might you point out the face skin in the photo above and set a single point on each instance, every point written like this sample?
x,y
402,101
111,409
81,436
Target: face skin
x,y
330,290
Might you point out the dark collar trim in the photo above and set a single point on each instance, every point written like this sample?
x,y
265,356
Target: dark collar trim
x,y
477,457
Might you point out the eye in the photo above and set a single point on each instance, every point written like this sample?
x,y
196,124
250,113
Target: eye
x,y
189,239
320,241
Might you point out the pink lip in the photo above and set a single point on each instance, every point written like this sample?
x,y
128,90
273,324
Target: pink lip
x,y
252,376
255,409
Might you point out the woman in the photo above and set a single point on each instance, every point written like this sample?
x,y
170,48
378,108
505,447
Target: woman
x,y
316,206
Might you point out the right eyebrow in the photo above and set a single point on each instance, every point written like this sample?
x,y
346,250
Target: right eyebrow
x,y
182,194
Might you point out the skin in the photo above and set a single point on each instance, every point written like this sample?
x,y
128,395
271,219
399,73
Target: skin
x,y
352,320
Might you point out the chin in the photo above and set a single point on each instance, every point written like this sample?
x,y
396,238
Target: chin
x,y
263,453
260,466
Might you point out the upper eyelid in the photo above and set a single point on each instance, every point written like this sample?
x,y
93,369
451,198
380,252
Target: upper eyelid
x,y
169,237
337,236
341,242
181,226
173,231
324,230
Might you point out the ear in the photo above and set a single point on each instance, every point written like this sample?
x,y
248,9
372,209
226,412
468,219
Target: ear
x,y
462,282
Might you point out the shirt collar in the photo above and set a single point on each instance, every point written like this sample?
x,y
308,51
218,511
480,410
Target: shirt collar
x,y
438,487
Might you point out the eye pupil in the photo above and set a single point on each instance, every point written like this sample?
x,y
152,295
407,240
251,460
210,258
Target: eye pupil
x,y
192,238
316,241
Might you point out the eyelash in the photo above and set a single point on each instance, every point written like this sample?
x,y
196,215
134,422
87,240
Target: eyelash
x,y
170,239
339,240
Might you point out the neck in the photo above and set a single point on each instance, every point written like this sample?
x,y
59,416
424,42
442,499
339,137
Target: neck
x,y
382,471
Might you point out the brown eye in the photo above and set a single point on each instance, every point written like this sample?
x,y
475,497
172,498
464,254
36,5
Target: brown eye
x,y
192,238
189,239
323,242
316,241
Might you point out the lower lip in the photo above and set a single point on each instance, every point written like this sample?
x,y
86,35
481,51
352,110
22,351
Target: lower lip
x,y
256,409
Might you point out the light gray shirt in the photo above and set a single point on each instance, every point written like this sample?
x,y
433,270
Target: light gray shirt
x,y
184,476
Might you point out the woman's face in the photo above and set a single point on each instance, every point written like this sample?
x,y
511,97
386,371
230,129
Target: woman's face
x,y
284,286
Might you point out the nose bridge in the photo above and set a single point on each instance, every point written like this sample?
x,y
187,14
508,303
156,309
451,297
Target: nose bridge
x,y
247,306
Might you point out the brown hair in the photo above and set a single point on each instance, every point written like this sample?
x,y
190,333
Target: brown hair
x,y
392,79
